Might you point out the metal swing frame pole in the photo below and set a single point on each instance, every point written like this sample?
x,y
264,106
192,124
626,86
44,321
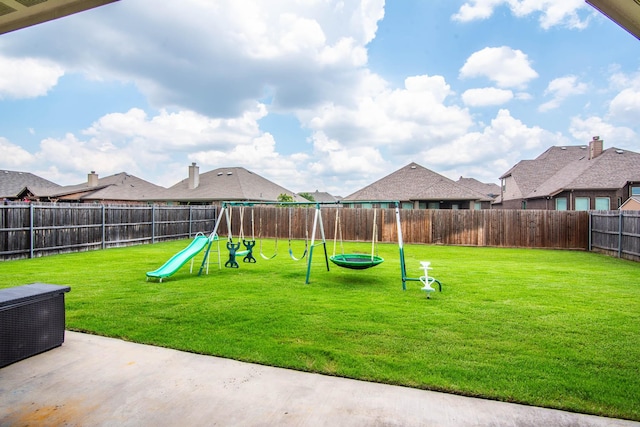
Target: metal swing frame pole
x,y
403,265
211,237
317,219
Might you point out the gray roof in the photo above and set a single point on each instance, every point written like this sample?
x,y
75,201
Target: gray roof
x,y
531,174
120,187
488,189
322,196
13,183
228,184
415,182
569,168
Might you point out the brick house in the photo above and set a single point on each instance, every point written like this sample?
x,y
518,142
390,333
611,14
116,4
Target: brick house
x,y
583,177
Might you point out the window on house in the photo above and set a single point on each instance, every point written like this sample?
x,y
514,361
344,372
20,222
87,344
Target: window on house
x,y
407,205
477,205
583,203
635,190
561,204
504,184
603,204
524,204
434,205
384,205
367,205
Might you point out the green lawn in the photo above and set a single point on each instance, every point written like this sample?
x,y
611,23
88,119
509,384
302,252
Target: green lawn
x,y
559,329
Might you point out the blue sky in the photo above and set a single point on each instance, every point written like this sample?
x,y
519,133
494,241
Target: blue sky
x,y
314,95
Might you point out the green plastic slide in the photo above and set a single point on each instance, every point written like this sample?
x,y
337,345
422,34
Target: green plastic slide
x,y
180,259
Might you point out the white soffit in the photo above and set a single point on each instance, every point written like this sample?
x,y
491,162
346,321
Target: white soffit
x,y
625,13
17,14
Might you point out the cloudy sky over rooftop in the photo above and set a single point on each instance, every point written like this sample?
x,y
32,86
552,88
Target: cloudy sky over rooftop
x,y
318,94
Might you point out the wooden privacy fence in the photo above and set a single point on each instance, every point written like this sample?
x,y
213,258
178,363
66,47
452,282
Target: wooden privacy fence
x,y
615,233
501,228
36,230
30,230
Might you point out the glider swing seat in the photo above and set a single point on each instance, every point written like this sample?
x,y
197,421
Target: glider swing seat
x,y
247,253
355,261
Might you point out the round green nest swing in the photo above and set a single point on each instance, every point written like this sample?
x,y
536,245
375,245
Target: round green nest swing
x,y
356,261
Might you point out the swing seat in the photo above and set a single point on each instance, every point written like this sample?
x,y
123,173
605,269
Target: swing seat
x,y
356,261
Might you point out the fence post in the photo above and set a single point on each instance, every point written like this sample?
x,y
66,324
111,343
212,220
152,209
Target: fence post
x,y
31,237
190,220
620,223
590,229
104,227
153,224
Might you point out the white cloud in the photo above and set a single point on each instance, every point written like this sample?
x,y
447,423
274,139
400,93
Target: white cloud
x,y
507,67
486,96
476,9
27,77
625,107
217,58
560,89
13,156
552,12
584,130
498,147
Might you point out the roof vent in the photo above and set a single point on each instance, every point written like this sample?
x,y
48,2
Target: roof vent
x,y
563,148
413,166
619,151
229,173
220,173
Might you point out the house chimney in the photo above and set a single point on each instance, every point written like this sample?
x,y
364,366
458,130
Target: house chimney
x,y
194,176
92,179
595,147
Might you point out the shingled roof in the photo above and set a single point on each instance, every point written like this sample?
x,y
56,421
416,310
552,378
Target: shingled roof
x,y
414,182
488,189
118,187
228,184
569,168
529,175
14,183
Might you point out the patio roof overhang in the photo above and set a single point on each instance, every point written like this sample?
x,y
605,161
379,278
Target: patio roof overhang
x,y
625,13
17,14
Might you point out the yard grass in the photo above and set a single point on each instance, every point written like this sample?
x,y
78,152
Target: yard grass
x,y
559,329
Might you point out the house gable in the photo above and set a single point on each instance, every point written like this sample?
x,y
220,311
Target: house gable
x,y
415,183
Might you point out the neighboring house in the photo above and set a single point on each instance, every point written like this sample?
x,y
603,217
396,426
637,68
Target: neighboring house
x,y
632,204
488,189
572,178
225,184
24,186
417,187
323,197
119,188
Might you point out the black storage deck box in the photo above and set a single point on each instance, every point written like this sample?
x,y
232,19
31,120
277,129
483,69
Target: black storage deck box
x,y
32,320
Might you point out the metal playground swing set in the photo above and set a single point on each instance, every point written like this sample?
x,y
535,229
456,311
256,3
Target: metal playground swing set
x,y
350,261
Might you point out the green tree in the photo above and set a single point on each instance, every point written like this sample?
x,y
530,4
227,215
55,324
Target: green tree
x,y
307,196
284,197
